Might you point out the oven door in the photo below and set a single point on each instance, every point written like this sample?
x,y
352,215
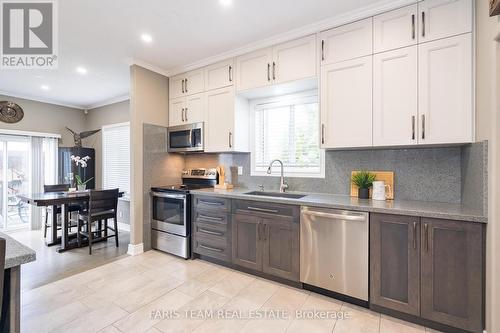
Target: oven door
x,y
186,138
170,213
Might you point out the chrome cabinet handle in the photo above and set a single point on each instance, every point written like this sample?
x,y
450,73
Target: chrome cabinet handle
x,y
423,127
323,50
210,203
182,114
186,114
210,218
423,24
230,73
263,210
322,133
415,235
268,72
339,217
209,232
259,237
182,86
413,127
426,232
413,26
274,70
186,85
211,248
230,140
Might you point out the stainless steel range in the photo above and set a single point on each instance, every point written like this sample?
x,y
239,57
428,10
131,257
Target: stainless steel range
x,y
171,211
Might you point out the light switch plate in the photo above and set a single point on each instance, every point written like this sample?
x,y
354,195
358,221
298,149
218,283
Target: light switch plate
x,y
240,170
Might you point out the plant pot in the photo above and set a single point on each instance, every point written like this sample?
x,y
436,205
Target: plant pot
x,y
82,187
363,193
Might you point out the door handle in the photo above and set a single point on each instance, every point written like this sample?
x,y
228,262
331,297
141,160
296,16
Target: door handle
x,y
423,127
426,232
268,72
186,85
230,73
413,127
204,217
413,26
230,139
182,86
415,235
423,24
186,114
323,50
211,248
210,203
263,210
259,237
182,114
360,218
209,232
322,133
274,70
266,231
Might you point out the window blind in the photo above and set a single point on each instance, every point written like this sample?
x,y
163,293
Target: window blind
x,y
289,131
116,157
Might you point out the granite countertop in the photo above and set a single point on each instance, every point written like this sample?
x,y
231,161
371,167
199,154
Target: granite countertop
x,y
403,207
16,253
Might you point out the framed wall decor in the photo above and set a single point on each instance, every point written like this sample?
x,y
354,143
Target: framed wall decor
x,y
494,7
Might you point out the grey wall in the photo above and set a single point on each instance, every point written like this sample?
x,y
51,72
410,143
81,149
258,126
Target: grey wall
x,y
474,166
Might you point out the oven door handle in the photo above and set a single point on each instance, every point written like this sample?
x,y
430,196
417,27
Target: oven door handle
x,y
168,195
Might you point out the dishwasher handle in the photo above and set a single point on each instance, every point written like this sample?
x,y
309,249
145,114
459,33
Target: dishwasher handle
x,y
335,216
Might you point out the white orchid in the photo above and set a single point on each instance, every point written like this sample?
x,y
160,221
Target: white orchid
x,y
80,161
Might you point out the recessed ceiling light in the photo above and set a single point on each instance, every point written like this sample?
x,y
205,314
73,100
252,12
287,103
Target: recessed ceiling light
x,y
44,87
226,3
146,38
81,70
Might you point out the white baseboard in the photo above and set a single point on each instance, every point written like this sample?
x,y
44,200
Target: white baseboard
x,y
135,249
123,227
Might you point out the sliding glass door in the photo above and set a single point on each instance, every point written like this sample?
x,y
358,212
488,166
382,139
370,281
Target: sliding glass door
x,y
15,179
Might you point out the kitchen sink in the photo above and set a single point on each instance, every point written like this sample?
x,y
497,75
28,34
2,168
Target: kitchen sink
x,y
276,194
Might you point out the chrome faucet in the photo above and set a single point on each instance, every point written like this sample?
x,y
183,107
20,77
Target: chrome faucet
x,y
283,184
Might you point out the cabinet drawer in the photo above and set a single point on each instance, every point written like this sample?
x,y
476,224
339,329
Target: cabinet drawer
x,y
212,204
210,230
214,247
265,208
211,218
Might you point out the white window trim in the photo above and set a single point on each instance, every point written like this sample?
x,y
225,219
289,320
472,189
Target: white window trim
x,y
103,153
276,102
28,133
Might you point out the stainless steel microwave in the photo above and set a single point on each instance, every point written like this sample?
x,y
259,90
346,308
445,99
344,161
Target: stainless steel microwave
x,y
185,138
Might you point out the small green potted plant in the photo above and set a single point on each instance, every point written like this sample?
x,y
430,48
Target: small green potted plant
x,y
363,180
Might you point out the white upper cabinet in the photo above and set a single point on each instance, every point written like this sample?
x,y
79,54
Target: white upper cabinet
x,y
194,111
189,83
176,111
253,70
346,42
445,91
395,113
444,18
395,29
219,75
294,60
346,104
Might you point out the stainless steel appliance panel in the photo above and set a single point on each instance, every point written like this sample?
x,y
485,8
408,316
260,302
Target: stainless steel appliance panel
x,y
334,250
186,138
170,243
169,213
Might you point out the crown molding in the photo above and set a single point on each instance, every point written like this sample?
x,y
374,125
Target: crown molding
x,y
110,101
148,66
313,28
41,100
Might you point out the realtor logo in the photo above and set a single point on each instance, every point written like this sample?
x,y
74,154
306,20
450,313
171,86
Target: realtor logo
x,y
29,34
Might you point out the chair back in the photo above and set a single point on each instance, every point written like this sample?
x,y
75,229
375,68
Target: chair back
x,y
103,200
56,188
2,267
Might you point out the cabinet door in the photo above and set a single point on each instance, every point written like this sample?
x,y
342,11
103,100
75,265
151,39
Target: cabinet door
x,y
294,60
219,75
347,42
220,106
176,111
444,18
445,91
452,273
346,104
176,86
253,70
281,256
395,97
395,29
194,112
247,248
194,82
395,262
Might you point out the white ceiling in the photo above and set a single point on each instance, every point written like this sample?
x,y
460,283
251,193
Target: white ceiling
x,y
104,37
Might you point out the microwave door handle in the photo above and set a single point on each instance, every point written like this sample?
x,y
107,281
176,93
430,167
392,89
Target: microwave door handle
x,y
191,138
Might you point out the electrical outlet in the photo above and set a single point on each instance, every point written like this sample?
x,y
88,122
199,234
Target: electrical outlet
x,y
240,170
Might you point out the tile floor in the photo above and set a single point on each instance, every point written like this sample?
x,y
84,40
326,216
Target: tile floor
x,y
155,293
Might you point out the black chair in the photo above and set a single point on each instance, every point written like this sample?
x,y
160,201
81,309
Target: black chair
x,y
71,208
102,206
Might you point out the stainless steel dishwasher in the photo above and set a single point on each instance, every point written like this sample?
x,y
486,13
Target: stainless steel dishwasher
x,y
334,251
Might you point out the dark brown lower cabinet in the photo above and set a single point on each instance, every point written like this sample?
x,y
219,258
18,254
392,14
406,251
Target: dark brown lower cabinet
x,y
247,250
281,255
395,262
452,273
429,268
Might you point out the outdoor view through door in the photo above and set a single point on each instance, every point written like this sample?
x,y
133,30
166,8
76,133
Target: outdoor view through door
x,y
26,163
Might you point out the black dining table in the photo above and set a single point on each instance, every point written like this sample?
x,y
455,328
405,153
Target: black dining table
x,y
61,199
